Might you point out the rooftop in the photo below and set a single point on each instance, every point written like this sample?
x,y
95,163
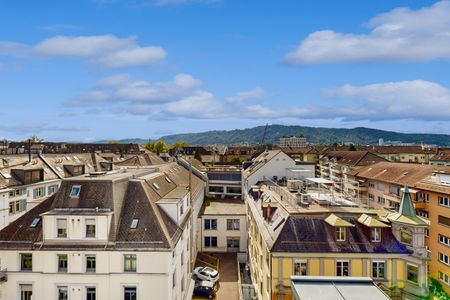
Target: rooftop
x,y
225,207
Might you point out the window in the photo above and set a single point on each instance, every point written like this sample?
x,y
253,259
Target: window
x,y
129,293
61,225
444,201
35,222
378,269
342,268
340,234
423,214
406,237
210,224
444,220
210,241
380,187
181,209
129,262
91,263
444,240
371,197
26,261
233,244
300,267
412,272
90,228
17,206
75,192
381,200
422,197
90,293
52,189
26,292
233,224
33,176
63,293
38,192
376,234
174,278
444,258
134,223
444,278
371,184
62,263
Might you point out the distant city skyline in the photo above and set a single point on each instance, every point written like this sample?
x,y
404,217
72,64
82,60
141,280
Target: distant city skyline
x,y
111,69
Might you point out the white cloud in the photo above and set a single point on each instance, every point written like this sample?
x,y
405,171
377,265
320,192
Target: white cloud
x,y
399,35
107,51
32,128
416,99
255,93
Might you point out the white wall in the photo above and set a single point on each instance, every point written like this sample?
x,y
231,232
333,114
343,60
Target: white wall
x,y
277,166
222,233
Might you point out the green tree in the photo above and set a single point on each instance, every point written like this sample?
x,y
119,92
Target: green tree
x,y
237,160
179,144
34,139
197,155
160,147
352,147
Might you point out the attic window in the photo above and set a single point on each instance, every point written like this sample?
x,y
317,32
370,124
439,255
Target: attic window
x,y
35,222
168,180
75,192
134,223
155,186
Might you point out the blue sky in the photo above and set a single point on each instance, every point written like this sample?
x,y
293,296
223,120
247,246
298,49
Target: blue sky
x,y
110,69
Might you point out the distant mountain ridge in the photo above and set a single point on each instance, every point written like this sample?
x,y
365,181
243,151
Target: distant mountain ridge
x,y
316,135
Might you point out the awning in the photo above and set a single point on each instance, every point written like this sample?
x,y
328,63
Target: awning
x,y
335,221
320,180
370,221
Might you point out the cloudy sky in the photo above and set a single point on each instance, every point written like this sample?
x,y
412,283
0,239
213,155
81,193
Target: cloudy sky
x,y
110,69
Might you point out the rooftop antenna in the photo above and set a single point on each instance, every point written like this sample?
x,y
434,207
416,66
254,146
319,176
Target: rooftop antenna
x,y
264,134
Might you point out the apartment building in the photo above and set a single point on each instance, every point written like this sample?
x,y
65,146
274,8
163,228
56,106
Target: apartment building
x,y
329,240
27,180
275,165
410,154
293,141
441,159
381,187
334,165
224,181
223,226
125,234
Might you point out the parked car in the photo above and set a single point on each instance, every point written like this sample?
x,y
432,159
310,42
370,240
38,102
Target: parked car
x,y
205,289
206,273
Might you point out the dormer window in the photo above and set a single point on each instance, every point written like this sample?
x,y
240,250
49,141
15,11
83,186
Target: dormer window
x,y
75,192
90,228
376,234
61,225
341,234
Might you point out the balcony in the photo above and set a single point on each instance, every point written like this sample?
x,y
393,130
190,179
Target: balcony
x,y
420,205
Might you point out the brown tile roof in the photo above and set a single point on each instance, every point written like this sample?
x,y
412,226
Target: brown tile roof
x,y
398,173
354,158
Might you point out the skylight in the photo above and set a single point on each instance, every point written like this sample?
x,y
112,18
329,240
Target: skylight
x,y
68,158
35,222
155,186
75,192
134,223
168,180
